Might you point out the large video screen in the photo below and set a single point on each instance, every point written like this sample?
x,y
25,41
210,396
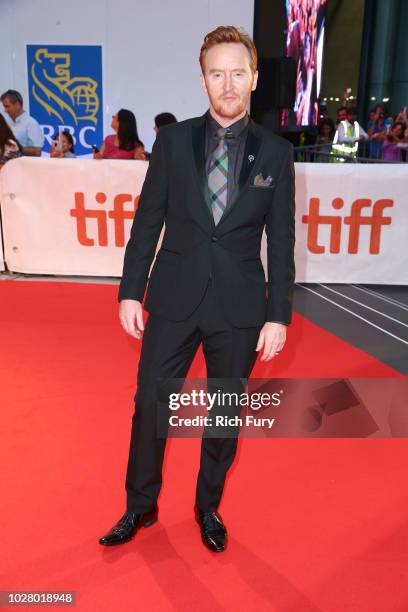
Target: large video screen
x,y
306,20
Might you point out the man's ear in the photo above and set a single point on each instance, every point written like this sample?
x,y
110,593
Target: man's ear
x,y
255,81
203,85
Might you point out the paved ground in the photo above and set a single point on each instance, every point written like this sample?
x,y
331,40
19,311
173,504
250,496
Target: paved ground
x,y
373,318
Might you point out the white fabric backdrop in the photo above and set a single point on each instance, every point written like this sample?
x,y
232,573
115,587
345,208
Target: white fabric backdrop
x,y
43,231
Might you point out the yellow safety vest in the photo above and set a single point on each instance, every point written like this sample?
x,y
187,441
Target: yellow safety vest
x,y
345,148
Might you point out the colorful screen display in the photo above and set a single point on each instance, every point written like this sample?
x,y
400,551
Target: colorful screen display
x,y
306,20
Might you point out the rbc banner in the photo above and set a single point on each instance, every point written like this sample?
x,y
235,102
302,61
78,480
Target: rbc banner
x,y
65,91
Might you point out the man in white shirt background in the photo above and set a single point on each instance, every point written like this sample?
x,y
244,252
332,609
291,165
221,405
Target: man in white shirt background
x,y
347,137
357,131
25,128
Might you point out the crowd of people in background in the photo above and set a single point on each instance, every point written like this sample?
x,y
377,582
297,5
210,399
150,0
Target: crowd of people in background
x,y
385,137
21,134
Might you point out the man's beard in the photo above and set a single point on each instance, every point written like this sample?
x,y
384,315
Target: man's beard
x,y
229,111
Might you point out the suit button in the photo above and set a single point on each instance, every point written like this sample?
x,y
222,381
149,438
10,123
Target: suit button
x,y
214,238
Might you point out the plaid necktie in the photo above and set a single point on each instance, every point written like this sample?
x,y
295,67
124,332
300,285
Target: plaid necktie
x,y
218,177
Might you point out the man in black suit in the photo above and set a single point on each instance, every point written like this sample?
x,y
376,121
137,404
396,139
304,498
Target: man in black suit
x,y
216,182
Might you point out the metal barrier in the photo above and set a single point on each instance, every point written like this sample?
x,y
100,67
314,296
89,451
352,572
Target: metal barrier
x,y
322,153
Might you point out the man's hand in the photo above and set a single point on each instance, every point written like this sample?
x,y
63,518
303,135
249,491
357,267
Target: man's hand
x,y
272,338
131,317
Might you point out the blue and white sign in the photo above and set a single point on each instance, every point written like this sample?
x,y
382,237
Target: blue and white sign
x,y
65,92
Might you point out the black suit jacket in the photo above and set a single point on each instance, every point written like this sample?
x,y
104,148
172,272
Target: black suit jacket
x,y
194,249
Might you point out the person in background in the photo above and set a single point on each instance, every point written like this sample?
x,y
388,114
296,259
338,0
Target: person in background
x,y
403,146
376,131
125,143
163,119
10,148
25,128
371,116
65,148
347,137
402,116
389,122
390,146
341,114
324,139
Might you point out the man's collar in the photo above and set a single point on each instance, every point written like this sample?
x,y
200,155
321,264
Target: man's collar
x,y
18,117
235,128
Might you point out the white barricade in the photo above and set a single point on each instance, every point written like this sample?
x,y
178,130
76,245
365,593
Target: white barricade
x,y
68,216
352,223
73,217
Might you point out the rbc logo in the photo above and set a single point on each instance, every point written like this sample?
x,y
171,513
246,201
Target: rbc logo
x,y
65,90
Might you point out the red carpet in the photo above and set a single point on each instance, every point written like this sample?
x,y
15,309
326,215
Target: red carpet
x,y
315,525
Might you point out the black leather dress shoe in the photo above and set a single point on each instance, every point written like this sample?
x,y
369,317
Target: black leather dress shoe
x,y
213,530
127,526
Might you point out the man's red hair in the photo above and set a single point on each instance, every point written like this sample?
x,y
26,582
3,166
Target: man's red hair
x,y
229,34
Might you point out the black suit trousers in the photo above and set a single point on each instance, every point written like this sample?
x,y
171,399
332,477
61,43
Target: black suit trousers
x,y
168,350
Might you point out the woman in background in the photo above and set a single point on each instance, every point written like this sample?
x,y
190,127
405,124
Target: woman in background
x,y
10,148
125,143
324,139
391,151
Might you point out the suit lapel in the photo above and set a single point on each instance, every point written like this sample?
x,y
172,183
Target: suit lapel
x,y
198,136
252,147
